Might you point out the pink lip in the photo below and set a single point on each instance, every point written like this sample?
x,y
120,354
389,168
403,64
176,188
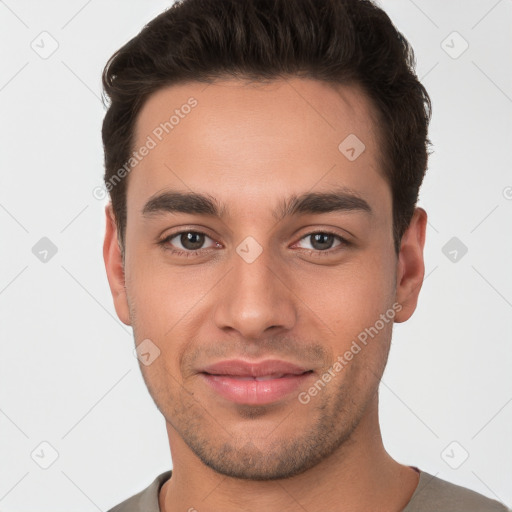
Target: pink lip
x,y
239,381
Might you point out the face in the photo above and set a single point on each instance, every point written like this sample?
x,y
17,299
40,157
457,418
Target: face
x,y
263,275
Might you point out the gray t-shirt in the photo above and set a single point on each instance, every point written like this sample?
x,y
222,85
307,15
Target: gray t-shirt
x,y
431,495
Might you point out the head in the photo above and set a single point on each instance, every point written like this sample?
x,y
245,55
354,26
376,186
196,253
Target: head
x,y
263,160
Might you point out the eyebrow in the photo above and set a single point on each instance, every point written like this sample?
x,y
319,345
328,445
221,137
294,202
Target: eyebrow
x,y
340,200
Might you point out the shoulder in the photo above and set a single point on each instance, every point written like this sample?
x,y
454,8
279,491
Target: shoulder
x,y
436,495
145,500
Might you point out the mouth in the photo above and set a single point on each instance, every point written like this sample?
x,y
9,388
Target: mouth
x,y
259,378
261,383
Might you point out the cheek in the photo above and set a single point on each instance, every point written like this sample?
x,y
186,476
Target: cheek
x,y
154,284
166,302
349,298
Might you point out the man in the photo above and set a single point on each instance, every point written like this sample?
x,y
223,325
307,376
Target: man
x,y
263,159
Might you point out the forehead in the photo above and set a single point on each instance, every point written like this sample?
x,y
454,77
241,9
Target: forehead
x,y
236,139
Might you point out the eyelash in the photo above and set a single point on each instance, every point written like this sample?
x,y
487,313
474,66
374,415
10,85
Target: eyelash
x,y
314,252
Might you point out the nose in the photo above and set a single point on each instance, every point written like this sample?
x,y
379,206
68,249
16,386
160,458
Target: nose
x,y
255,298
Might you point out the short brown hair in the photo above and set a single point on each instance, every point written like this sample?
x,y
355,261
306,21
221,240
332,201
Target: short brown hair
x,y
336,41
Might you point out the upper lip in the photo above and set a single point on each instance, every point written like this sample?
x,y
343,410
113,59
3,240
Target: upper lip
x,y
241,368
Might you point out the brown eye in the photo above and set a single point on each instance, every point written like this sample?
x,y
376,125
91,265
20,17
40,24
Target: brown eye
x,y
187,242
191,240
322,241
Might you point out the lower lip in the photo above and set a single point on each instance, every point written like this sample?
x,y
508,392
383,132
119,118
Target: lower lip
x,y
254,392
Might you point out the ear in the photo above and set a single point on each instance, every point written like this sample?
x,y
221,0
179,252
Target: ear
x,y
411,267
114,267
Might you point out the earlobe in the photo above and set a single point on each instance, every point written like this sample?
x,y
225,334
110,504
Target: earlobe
x,y
114,267
411,266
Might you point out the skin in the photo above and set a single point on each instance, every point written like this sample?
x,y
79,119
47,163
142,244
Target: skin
x,y
251,146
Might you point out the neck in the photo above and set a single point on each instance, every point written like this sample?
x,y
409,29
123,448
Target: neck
x,y
359,476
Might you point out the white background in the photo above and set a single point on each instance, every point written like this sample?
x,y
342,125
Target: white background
x,y
67,371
